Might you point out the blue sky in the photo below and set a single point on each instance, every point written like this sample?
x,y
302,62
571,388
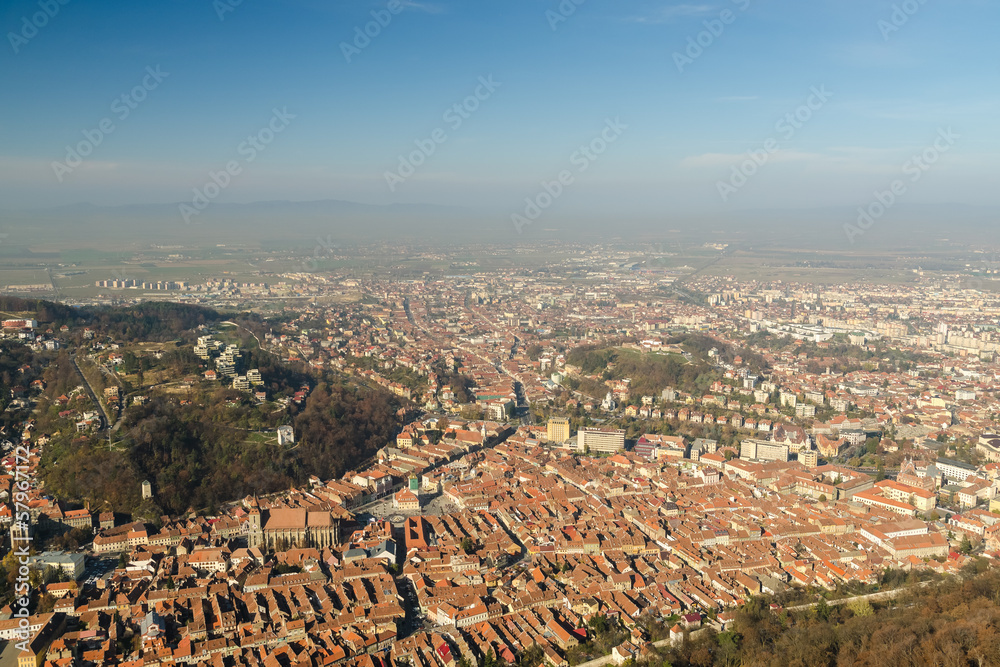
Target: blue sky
x,y
890,94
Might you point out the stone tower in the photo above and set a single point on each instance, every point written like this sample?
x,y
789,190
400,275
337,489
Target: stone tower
x,y
255,534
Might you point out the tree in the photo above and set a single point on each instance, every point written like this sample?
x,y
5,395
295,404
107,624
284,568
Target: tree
x,y
466,545
860,607
531,657
823,610
599,623
966,546
46,604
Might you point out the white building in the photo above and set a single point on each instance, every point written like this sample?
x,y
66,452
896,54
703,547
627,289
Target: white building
x,y
763,450
955,470
600,440
71,564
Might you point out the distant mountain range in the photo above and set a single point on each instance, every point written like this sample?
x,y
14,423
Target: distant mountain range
x,y
301,223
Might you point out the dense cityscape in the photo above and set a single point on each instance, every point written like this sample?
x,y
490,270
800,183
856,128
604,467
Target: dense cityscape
x,y
605,459
526,333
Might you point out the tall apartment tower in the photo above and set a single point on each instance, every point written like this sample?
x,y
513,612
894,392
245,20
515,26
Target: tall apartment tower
x,y
557,430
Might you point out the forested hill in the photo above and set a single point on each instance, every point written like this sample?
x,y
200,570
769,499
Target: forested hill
x,y
151,321
39,309
954,622
650,373
199,441
200,455
14,358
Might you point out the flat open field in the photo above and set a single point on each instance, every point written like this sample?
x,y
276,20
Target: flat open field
x,y
796,265
71,272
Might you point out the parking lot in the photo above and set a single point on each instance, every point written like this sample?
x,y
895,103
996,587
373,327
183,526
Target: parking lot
x,y
98,568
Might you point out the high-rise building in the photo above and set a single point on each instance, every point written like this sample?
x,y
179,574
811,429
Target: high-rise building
x,y
557,430
809,458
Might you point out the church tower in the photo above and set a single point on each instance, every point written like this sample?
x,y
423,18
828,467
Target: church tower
x,y
255,534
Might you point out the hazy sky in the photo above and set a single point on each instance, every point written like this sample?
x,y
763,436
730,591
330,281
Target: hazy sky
x,y
885,83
